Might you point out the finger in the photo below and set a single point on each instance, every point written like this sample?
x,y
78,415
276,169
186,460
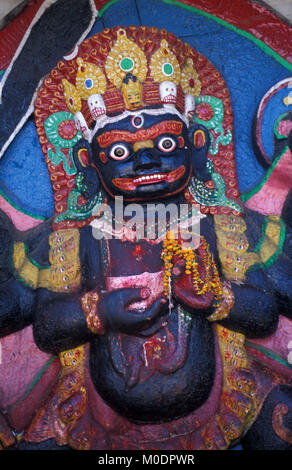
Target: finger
x,y
144,320
135,294
178,269
176,272
161,323
157,309
126,295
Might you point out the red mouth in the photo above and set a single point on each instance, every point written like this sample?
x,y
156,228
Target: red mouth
x,y
129,184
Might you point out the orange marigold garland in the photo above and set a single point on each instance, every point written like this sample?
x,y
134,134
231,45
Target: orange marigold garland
x,y
173,248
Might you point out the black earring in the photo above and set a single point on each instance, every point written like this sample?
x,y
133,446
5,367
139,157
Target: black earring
x,y
200,142
89,183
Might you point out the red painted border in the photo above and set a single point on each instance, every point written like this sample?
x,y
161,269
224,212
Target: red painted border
x,y
253,18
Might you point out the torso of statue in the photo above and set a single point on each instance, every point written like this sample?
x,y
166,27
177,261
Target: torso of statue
x,y
157,378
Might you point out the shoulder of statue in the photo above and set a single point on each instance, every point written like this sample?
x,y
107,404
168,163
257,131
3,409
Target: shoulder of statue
x,y
36,243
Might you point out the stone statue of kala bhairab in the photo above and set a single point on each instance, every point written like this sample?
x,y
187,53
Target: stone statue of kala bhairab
x,y
151,335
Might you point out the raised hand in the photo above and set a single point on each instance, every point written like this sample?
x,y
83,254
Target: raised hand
x,y
184,292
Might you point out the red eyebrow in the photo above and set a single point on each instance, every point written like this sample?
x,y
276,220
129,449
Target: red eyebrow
x,y
109,137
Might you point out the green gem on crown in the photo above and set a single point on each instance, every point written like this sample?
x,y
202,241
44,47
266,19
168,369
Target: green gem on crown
x,y
167,69
126,64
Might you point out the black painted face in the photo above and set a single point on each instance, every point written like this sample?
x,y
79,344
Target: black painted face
x,y
143,157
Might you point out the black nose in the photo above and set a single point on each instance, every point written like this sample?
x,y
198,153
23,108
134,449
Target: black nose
x,y
146,159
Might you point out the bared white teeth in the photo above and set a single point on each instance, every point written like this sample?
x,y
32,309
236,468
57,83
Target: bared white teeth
x,y
148,178
170,99
130,184
96,112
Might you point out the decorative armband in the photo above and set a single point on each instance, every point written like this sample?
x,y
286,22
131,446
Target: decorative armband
x,y
226,303
63,272
89,306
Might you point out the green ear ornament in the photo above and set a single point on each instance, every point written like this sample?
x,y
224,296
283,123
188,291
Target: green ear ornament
x,y
213,124
75,210
212,197
62,133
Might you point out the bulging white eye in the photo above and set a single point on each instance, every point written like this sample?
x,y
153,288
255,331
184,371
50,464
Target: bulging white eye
x,y
119,152
166,144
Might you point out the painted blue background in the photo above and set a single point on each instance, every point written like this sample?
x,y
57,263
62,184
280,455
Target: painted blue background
x,y
247,70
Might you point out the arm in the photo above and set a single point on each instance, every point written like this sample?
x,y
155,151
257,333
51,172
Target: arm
x,y
279,276
280,273
253,310
17,300
60,320
17,303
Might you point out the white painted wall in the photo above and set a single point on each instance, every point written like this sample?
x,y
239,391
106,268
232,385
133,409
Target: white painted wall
x,y
282,6
8,5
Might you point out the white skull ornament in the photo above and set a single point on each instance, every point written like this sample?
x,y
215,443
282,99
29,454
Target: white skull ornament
x,y
190,106
96,106
81,125
168,93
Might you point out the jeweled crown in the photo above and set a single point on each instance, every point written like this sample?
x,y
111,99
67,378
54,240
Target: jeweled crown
x,y
130,70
